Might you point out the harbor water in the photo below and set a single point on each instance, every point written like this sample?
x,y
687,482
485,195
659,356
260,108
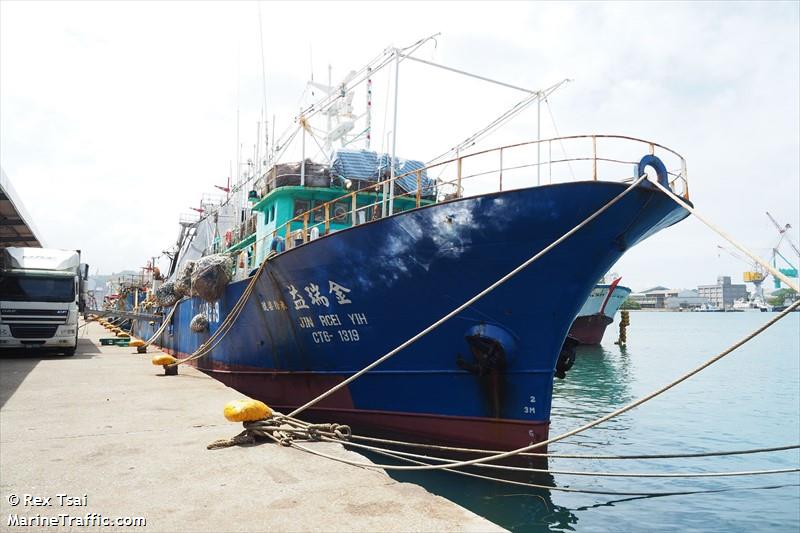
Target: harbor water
x,y
748,400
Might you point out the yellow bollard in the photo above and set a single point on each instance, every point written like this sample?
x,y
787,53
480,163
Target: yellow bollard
x,y
246,411
167,361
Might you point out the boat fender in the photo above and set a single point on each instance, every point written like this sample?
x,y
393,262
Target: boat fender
x,y
246,411
566,358
136,343
656,164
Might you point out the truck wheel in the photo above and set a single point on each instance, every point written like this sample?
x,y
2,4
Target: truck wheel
x,y
69,352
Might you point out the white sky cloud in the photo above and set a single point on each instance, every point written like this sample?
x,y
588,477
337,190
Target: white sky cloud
x,y
116,117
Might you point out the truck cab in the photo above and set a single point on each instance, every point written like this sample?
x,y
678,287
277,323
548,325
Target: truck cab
x,y
40,296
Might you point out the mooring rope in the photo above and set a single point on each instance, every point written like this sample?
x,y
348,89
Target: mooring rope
x,y
469,302
576,472
300,423
239,439
772,270
579,456
285,432
593,423
226,325
164,324
573,489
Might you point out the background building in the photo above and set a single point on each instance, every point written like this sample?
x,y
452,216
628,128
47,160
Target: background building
x,y
724,293
688,299
653,298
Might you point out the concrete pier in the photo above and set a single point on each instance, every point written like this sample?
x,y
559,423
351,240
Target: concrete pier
x,y
106,429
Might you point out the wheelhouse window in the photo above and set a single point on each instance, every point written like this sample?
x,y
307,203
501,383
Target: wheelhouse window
x,y
300,207
318,214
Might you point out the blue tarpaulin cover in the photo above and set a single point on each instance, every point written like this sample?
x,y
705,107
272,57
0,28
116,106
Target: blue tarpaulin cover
x,y
370,166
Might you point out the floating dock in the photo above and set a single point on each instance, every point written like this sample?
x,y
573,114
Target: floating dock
x,y
121,441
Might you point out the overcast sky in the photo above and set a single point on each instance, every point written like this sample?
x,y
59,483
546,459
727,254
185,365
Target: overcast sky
x,y
116,117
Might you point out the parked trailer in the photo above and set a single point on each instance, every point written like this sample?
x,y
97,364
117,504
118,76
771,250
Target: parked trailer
x,y
41,295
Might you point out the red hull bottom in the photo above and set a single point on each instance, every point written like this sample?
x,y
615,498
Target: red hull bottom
x,y
285,392
589,329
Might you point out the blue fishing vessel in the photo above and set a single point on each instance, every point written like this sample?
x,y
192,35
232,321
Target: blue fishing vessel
x,y
338,260
344,284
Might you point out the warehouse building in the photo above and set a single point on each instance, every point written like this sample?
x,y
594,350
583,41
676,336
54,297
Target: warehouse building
x,y
724,293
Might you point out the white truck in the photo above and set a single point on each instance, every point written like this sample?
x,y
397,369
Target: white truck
x,y
41,295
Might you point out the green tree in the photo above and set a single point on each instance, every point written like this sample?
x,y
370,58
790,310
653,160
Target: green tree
x,y
630,303
779,297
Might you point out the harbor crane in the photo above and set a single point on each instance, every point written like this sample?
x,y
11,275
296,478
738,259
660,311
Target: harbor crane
x,y
790,270
756,275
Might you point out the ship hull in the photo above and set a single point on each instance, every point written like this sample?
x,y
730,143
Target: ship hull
x,y
589,330
597,313
324,310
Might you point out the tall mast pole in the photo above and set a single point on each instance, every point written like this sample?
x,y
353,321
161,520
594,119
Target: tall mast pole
x,y
369,106
256,165
303,160
329,111
263,81
539,138
394,129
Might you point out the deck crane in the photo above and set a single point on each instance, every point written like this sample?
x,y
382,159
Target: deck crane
x,y
791,270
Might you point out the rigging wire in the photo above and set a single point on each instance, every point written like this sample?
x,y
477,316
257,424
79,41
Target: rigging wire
x,y
560,140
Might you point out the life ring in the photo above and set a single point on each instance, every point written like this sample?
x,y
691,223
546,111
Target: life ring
x,y
656,164
340,213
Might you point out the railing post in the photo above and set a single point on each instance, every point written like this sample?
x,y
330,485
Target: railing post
x,y
652,149
305,227
685,176
353,209
419,187
501,169
594,158
550,162
289,233
327,217
458,179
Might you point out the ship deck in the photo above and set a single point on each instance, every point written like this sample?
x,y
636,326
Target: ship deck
x,y
106,424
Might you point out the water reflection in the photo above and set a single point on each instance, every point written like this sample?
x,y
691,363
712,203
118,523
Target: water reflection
x,y
598,383
513,507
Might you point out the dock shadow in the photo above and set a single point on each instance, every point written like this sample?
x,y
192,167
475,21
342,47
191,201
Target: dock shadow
x,y
15,365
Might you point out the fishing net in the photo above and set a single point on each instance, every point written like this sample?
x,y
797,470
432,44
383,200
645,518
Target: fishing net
x,y
165,294
210,276
183,282
199,323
